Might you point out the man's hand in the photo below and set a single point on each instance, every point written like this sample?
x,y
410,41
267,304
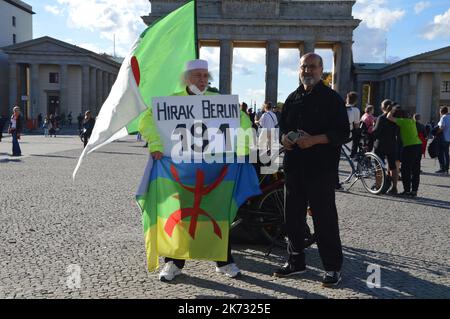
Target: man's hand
x,y
287,143
157,156
306,141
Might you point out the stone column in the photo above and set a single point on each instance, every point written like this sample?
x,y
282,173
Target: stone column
x,y
272,60
398,89
13,100
337,53
392,90
63,89
308,46
105,86
405,92
344,82
381,93
435,95
412,92
92,90
387,90
99,91
85,87
110,82
226,66
35,91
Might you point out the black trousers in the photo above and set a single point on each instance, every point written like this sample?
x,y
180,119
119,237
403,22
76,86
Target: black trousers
x,y
319,192
411,157
180,262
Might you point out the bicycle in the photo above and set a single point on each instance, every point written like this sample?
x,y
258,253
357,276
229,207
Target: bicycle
x,y
366,167
262,217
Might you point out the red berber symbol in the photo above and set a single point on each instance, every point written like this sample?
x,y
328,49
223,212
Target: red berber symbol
x,y
194,212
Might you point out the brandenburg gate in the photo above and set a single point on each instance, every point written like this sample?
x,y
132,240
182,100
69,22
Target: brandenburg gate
x,y
273,24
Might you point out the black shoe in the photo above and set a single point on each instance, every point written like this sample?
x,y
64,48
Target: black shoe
x,y
405,193
331,279
413,194
289,269
441,171
339,187
310,240
393,192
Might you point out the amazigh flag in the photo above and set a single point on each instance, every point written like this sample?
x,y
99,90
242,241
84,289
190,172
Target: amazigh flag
x,y
187,209
152,68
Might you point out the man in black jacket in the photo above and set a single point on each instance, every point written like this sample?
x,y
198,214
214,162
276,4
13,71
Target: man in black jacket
x,y
310,164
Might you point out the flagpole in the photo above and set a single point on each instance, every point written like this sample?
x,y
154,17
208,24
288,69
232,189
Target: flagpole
x,y
197,47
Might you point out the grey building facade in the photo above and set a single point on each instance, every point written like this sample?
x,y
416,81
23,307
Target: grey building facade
x,y
48,76
420,84
16,25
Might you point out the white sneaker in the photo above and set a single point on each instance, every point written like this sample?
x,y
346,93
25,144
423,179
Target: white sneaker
x,y
169,272
230,270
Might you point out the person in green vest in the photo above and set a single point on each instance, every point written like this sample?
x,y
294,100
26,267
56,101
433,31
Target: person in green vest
x,y
412,150
196,78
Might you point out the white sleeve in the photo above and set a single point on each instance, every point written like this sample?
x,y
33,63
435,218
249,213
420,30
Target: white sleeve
x,y
262,120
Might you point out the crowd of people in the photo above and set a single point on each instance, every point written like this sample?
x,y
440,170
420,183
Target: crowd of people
x,y
50,124
399,139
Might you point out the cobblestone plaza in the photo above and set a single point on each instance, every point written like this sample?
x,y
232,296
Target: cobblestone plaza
x,y
52,227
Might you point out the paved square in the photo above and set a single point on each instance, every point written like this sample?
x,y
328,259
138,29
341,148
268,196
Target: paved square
x,y
51,228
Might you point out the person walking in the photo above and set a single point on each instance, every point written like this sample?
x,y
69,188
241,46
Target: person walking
x,y
88,126
269,124
45,126
15,129
444,145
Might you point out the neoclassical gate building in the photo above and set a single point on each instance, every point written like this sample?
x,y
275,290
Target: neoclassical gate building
x,y
273,24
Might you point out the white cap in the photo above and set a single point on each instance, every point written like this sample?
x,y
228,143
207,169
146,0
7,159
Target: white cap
x,y
197,64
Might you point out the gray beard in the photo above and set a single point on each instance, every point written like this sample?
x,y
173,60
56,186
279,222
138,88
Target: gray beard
x,y
309,81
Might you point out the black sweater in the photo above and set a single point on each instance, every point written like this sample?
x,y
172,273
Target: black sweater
x,y
321,111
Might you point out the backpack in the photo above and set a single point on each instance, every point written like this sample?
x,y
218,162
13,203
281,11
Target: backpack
x,y
433,148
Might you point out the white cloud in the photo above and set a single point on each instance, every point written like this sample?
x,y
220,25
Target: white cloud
x,y
377,19
249,55
53,9
108,18
252,96
241,69
420,6
376,15
439,27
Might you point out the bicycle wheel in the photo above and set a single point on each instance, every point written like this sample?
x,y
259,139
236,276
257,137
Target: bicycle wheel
x,y
372,173
271,207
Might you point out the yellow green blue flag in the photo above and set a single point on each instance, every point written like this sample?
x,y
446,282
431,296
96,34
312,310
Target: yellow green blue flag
x,y
187,208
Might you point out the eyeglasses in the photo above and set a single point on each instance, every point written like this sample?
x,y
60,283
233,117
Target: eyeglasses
x,y
309,66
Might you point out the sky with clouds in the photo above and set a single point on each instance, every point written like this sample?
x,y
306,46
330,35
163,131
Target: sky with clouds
x,y
409,27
